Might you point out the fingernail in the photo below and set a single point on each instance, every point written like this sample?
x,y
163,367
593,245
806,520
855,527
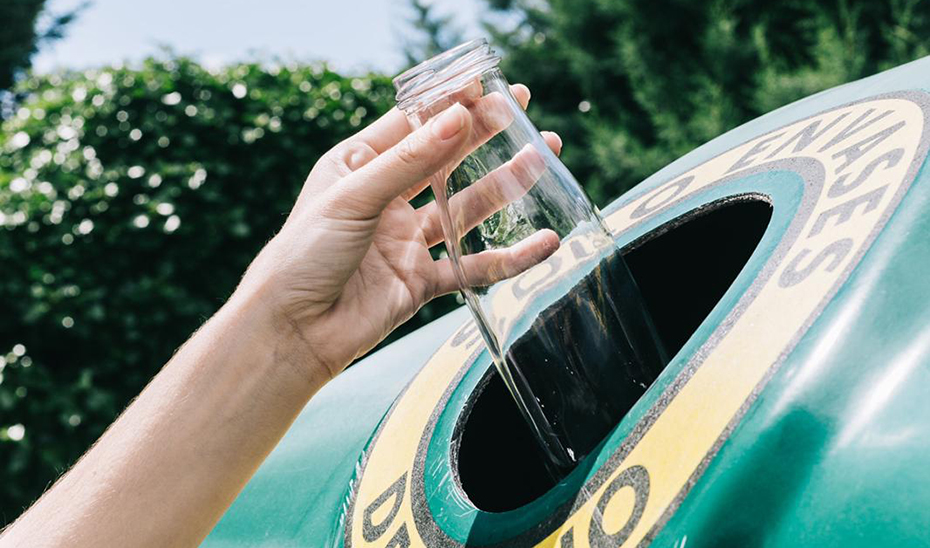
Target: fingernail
x,y
557,138
450,122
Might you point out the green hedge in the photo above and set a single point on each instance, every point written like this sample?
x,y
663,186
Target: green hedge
x,y
131,201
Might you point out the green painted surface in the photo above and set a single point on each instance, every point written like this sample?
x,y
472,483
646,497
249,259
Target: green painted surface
x,y
832,452
296,497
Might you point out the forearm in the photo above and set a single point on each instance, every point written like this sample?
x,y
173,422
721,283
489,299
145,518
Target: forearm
x,y
167,469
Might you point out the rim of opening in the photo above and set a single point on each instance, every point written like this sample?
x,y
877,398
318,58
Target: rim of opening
x,y
471,400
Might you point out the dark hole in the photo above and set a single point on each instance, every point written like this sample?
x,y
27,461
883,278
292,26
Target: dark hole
x,y
681,274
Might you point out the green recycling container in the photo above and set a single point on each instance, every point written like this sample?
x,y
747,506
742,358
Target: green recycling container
x,y
784,265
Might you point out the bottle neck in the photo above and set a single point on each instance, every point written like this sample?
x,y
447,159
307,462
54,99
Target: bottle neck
x,y
439,77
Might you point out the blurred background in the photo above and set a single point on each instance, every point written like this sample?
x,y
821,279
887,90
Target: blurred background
x,y
148,149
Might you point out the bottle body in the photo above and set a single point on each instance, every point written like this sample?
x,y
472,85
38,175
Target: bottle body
x,y
567,331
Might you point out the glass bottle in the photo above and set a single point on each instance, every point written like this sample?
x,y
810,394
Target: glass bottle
x,y
552,296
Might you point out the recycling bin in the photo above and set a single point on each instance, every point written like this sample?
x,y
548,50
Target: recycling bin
x,y
784,266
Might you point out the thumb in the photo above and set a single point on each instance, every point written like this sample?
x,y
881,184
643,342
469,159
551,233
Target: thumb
x,y
367,191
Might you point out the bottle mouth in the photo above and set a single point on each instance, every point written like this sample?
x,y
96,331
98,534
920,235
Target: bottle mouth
x,y
442,74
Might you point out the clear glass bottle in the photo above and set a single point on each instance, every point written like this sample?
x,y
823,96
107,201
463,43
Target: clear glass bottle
x,y
551,294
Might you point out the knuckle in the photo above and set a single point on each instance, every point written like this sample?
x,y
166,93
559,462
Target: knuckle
x,y
348,156
356,154
408,151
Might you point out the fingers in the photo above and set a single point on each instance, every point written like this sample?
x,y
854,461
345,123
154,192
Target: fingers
x,y
521,93
389,129
384,132
390,137
486,196
365,192
356,151
488,267
491,114
553,140
492,192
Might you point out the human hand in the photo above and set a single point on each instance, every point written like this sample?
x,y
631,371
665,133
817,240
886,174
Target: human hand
x,y
352,261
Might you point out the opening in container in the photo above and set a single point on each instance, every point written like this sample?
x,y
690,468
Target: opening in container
x,y
682,274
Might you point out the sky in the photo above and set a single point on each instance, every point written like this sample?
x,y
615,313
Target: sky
x,y
352,35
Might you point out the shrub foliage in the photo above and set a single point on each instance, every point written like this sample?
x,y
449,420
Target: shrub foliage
x,y
131,201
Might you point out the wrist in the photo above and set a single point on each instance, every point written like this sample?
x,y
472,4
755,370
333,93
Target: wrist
x,y
255,313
